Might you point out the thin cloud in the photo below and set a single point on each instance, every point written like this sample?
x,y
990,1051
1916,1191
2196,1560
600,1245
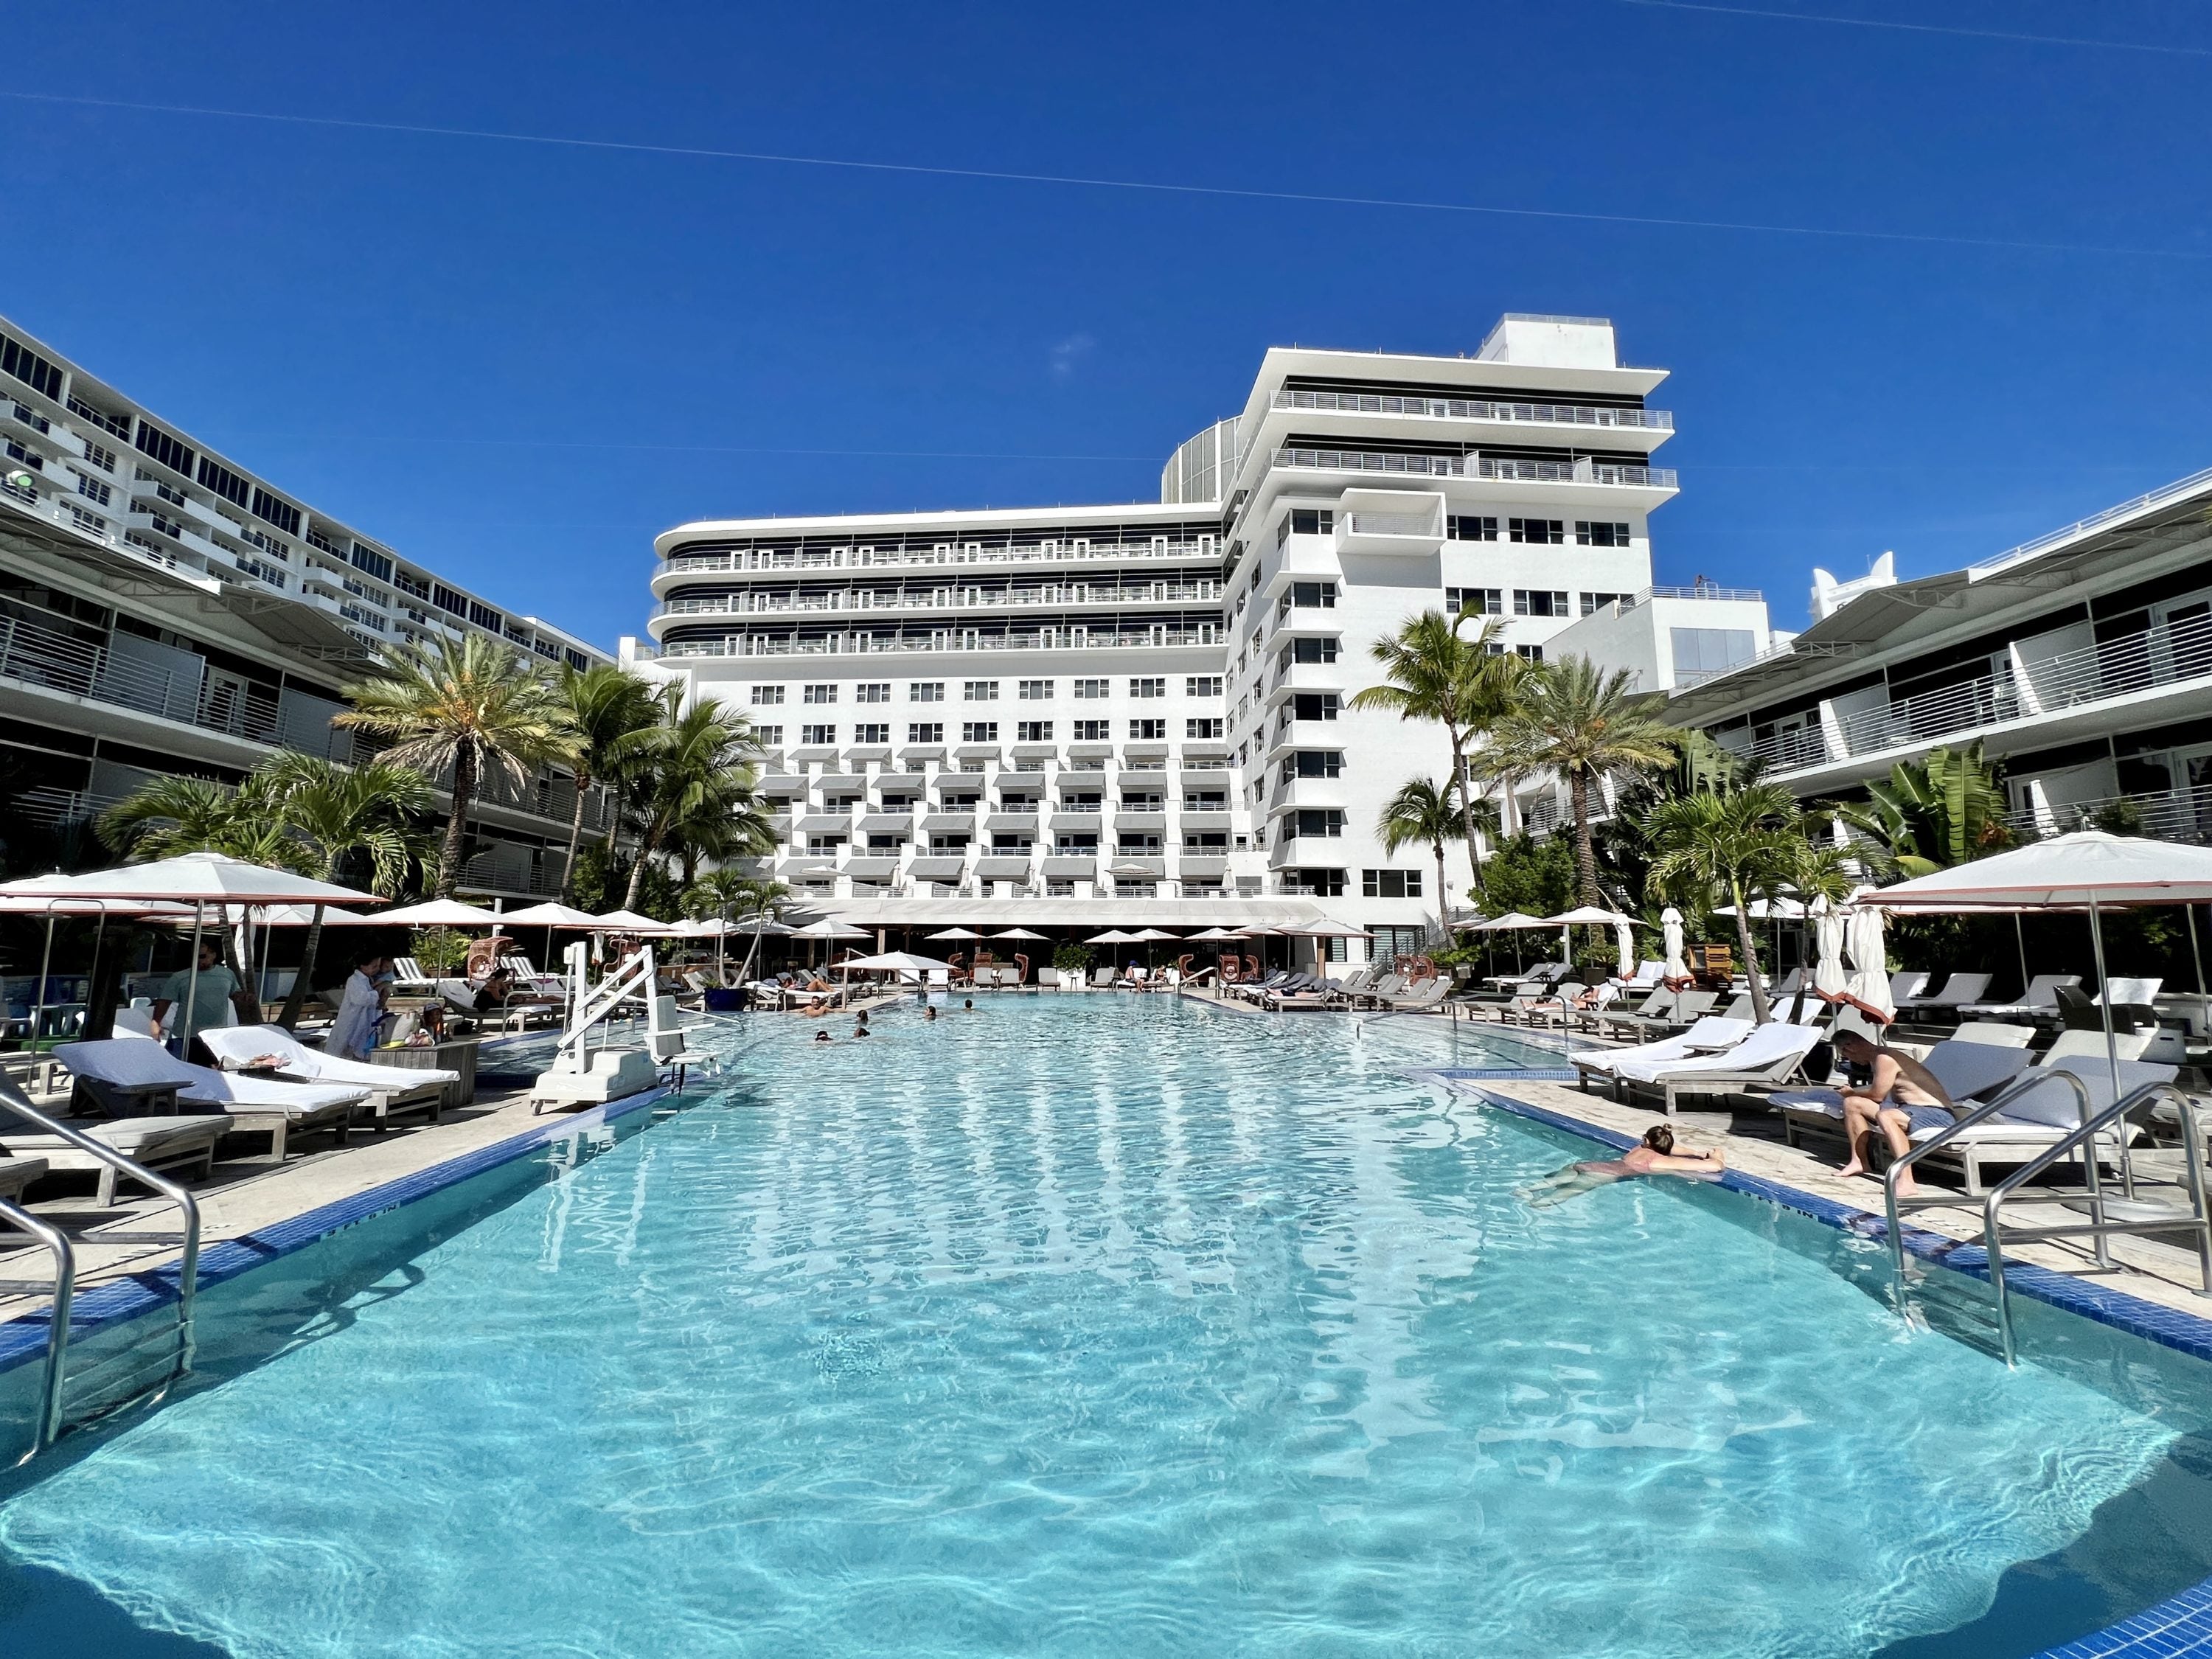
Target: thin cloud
x,y
1069,353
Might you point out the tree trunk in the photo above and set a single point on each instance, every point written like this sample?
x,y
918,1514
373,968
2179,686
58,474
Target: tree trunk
x,y
645,850
575,835
296,998
752,950
1758,1004
1444,908
1466,823
1585,849
464,783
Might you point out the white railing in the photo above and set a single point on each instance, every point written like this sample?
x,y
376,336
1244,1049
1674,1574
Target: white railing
x,y
1475,408
949,640
941,599
1393,524
2175,491
1478,466
2163,814
865,557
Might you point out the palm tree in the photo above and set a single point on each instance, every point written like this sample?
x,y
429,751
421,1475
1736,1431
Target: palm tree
x,y
731,897
606,703
1422,811
1582,723
1433,672
474,706
1743,843
341,813
693,773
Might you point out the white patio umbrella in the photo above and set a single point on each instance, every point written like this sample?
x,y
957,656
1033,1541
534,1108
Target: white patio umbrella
x,y
549,915
1216,934
2088,869
1828,973
829,928
1783,909
1593,915
1869,980
53,909
955,933
1150,933
628,921
1676,966
1019,932
905,964
1112,936
440,913
303,915
198,879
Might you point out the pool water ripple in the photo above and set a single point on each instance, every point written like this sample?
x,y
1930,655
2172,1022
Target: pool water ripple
x,y
1100,1326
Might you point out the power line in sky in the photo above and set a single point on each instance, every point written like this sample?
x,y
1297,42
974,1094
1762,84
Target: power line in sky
x,y
1090,182
2160,47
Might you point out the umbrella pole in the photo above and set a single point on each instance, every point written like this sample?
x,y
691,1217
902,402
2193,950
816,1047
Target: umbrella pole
x,y
2019,939
2112,1061
192,981
99,937
39,1013
2189,921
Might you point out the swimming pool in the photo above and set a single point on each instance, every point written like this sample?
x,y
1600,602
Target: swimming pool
x,y
1091,1325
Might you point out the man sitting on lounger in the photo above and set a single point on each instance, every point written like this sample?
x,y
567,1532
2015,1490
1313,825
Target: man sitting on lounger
x,y
1903,1095
1656,1156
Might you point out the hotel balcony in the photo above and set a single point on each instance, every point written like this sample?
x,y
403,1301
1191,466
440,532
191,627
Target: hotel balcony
x,y
1390,521
1598,478
1158,636
1034,556
938,601
1542,422
2155,674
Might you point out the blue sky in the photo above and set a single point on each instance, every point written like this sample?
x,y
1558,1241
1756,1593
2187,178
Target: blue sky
x,y
518,361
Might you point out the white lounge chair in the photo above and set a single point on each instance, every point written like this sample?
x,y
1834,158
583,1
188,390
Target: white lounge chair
x,y
2129,993
391,1090
1905,984
152,1143
2041,997
1771,1053
1710,1035
130,1069
2040,1117
1996,1033
1958,991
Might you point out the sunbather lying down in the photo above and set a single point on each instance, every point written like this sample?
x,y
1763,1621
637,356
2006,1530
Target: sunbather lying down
x,y
1656,1156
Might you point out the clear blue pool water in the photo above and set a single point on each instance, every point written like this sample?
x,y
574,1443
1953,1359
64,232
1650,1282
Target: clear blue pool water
x,y
1092,1326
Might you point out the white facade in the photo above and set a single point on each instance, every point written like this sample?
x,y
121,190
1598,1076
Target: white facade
x,y
1151,701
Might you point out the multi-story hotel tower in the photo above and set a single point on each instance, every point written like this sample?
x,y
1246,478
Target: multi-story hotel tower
x,y
1152,702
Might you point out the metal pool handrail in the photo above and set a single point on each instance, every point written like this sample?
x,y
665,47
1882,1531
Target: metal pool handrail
x,y
2195,1219
1944,1137
49,1424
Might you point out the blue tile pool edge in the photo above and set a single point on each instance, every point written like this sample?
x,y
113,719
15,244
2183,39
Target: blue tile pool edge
x,y
24,1339
2177,1625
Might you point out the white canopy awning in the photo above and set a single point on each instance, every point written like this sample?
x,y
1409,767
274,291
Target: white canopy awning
x,y
193,878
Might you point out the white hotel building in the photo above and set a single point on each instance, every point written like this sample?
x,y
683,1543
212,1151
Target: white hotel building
x,y
165,609
1088,706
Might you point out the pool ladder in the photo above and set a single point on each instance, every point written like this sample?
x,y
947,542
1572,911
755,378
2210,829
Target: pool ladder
x,y
137,1378
2108,1214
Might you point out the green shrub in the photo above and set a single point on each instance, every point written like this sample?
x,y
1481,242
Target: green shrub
x,y
441,951
1070,958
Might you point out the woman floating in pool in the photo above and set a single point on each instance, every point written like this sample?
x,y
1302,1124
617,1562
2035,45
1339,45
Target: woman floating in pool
x,y
1656,1156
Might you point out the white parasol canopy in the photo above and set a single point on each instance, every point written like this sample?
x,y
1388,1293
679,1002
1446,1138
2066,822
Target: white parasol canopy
x,y
1019,932
1783,909
440,913
551,915
628,921
2088,868
1112,936
1590,915
30,905
1214,935
1677,965
303,915
955,933
193,878
1828,973
829,928
897,961
1153,933
1508,922
1870,980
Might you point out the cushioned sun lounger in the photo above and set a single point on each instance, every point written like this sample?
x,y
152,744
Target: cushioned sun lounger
x,y
127,1066
1771,1053
2041,997
1968,1071
391,1090
1709,1035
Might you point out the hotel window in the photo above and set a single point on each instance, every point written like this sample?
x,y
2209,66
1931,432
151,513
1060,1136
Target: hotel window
x,y
925,691
926,731
100,455
1597,601
818,694
408,582
768,696
878,693
1545,532
871,733
1202,728
92,489
1701,653
33,370
1032,731
1314,706
1090,731
377,564
1310,823
1465,527
1529,653
1482,601
1090,687
484,617
175,455
1202,685
1588,534
1036,691
1390,883
1321,650
817,734
770,737
980,691
225,483
980,731
1313,764
1310,596
1148,731
1148,687
275,509
1311,521
1540,602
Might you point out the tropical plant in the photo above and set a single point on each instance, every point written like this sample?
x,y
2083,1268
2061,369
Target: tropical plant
x,y
1740,844
731,897
171,815
605,704
367,815
691,777
1432,671
471,708
1425,812
1578,721
439,951
1942,810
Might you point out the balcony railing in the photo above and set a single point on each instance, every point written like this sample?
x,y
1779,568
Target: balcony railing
x,y
2164,815
1474,409
1478,466
58,662
864,557
948,640
1077,593
2091,673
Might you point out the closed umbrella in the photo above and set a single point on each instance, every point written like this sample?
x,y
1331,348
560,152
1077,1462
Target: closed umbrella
x,y
1828,973
1870,980
1624,948
1677,965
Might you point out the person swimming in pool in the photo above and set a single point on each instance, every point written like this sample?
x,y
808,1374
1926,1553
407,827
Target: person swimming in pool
x,y
822,1035
1655,1155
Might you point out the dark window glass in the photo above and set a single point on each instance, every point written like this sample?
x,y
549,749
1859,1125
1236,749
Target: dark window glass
x,y
172,453
225,483
275,509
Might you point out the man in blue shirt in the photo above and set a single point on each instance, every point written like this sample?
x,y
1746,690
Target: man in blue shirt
x,y
216,986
